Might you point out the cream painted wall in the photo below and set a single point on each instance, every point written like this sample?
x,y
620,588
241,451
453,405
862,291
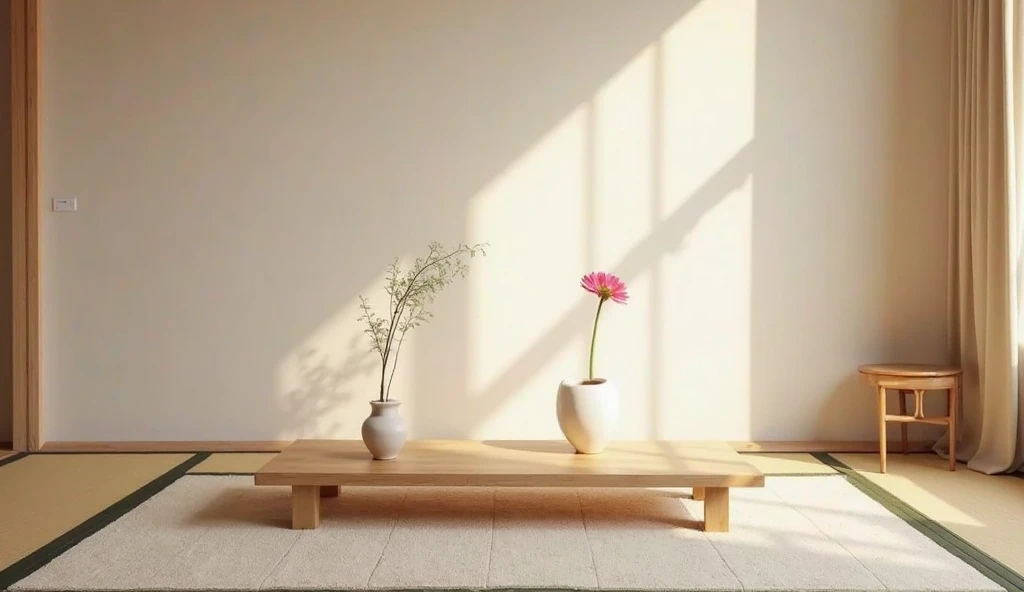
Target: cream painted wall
x,y
769,178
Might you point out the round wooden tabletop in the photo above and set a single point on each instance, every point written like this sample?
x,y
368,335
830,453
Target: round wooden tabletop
x,y
914,370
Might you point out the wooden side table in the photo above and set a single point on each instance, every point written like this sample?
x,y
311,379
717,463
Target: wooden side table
x,y
916,379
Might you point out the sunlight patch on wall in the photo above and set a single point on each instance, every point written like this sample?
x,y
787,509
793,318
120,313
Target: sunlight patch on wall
x,y
647,180
624,159
709,75
705,213
706,328
521,294
625,351
530,412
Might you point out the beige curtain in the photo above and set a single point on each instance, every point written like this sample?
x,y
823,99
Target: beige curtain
x,y
986,208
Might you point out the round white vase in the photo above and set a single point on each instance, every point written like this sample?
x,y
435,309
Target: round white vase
x,y
384,430
588,412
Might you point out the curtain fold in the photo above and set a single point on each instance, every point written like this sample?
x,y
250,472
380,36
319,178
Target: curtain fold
x,y
986,275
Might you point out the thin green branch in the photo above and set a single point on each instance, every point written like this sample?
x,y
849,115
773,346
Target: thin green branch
x,y
394,364
419,287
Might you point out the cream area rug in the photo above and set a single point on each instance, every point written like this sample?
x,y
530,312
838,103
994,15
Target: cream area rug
x,y
222,533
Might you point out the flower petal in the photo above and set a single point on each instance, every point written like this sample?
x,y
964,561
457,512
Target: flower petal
x,y
589,283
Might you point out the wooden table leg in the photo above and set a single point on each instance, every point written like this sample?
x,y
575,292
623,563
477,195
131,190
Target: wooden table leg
x,y
954,409
698,494
903,424
305,507
328,491
716,509
881,427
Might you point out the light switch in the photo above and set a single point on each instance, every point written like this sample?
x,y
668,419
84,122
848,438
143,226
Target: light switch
x,y
65,204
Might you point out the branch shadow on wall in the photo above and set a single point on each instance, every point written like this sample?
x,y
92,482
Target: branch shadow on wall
x,y
325,384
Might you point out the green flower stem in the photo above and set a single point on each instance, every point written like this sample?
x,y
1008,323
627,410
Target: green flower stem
x,y
593,338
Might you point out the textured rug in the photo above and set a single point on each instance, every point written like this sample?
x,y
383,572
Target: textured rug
x,y
222,533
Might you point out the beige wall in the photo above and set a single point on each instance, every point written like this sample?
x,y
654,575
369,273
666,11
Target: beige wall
x,y
769,178
6,403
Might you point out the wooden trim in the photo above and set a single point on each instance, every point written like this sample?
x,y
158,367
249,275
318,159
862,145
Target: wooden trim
x,y
279,445
169,446
19,342
822,446
19,330
25,222
32,218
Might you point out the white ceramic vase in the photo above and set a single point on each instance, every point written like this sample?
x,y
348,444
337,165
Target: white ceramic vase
x,y
588,412
384,430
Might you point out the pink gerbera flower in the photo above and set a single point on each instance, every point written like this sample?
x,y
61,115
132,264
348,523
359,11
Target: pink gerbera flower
x,y
605,286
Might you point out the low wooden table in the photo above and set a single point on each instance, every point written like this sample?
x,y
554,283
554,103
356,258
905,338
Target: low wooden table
x,y
317,468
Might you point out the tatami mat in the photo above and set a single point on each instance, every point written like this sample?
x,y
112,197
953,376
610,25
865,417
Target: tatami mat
x,y
985,510
788,463
796,533
234,462
44,496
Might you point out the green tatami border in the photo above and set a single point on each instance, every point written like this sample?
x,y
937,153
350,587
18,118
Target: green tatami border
x,y
50,551
9,459
956,545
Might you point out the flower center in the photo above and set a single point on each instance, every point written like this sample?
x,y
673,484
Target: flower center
x,y
604,292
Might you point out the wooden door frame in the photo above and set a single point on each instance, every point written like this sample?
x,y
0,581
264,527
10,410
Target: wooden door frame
x,y
25,222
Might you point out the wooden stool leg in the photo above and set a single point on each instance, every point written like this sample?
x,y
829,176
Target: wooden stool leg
x,y
881,428
698,494
305,507
716,509
328,491
954,409
903,425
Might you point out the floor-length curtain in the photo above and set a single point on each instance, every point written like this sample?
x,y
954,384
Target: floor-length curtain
x,y
986,208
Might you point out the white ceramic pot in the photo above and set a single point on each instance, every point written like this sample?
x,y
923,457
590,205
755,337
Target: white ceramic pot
x,y
384,430
588,412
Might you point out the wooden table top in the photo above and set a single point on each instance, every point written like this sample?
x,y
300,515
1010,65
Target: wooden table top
x,y
524,463
914,370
